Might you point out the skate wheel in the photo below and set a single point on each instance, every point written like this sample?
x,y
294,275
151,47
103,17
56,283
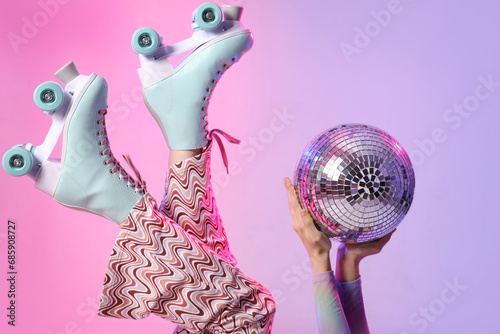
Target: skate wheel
x,y
49,96
17,161
145,41
208,16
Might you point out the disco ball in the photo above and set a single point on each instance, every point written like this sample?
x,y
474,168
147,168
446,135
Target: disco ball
x,y
356,181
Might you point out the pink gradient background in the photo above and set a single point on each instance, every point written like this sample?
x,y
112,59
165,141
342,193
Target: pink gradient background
x,y
427,59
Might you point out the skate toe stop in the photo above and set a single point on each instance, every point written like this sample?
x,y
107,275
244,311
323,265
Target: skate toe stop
x,y
232,13
67,73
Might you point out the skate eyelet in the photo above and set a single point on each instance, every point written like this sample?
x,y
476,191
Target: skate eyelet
x,y
234,60
214,81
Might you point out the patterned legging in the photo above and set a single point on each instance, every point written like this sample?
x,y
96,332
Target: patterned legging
x,y
183,271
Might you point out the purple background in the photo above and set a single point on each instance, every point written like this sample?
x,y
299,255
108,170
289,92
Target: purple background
x,y
314,64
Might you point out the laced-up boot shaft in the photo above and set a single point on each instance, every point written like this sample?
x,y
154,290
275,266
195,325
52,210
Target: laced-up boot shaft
x,y
179,102
91,177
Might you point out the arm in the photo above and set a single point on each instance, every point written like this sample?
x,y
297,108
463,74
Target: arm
x,y
349,282
346,285
331,319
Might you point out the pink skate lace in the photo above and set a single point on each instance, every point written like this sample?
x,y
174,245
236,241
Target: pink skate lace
x,y
213,134
140,184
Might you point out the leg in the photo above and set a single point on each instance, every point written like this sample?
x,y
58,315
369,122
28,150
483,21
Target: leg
x,y
178,98
179,156
190,202
157,267
88,177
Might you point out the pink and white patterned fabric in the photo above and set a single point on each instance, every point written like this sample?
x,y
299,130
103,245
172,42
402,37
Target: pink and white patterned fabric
x,y
189,201
183,275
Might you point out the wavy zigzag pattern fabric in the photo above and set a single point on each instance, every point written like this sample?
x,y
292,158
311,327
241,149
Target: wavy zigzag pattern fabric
x,y
157,267
189,201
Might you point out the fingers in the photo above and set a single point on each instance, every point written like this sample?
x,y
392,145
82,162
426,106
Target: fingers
x,y
389,235
380,243
302,218
385,239
306,218
292,197
314,240
293,202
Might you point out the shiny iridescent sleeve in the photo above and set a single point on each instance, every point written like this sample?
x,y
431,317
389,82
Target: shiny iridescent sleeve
x,y
331,318
352,302
339,305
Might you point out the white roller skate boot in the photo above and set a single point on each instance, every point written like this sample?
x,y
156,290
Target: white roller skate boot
x,y
178,97
88,176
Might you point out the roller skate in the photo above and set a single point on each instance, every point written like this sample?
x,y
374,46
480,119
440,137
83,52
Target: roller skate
x,y
87,176
178,97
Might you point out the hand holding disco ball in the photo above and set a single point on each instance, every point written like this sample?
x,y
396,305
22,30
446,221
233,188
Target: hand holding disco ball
x,y
356,181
